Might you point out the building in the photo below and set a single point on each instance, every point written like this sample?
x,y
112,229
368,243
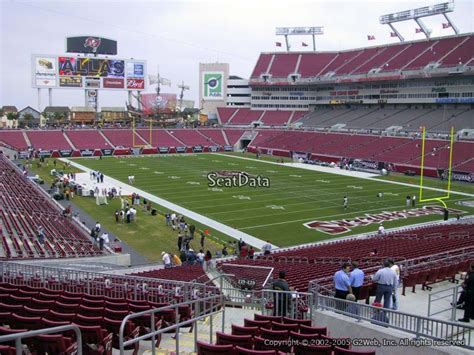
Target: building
x,y
29,117
56,115
213,79
9,117
238,92
114,115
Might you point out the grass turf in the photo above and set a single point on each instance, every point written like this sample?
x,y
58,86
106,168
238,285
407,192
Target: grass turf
x,y
277,213
149,235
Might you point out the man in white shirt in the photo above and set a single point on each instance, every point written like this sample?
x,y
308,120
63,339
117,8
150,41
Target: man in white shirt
x,y
173,220
166,260
386,281
395,268
267,247
200,257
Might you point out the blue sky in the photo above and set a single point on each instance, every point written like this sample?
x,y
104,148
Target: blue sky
x,y
178,35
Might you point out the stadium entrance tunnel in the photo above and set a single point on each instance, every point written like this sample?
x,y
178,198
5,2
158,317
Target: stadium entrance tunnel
x,y
244,143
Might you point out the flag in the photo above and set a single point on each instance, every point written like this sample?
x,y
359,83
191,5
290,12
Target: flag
x,y
418,30
278,44
206,231
164,81
446,25
370,37
393,34
304,44
154,79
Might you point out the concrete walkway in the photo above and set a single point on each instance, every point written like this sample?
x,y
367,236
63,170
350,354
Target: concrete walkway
x,y
232,232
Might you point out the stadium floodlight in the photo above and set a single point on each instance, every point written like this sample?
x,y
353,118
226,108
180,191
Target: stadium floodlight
x,y
299,31
417,14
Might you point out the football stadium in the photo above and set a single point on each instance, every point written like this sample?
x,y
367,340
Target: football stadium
x,y
320,202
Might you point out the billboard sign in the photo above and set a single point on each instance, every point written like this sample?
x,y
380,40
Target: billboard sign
x,y
91,44
70,81
98,67
135,84
136,70
51,71
213,87
45,71
113,83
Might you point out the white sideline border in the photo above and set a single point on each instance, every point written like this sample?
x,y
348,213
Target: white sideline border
x,y
231,232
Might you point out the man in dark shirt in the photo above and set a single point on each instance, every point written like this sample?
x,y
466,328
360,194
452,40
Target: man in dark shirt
x,y
280,300
469,296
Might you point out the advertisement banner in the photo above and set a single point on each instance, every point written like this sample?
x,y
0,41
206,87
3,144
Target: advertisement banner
x,y
366,164
180,149
65,153
92,83
45,71
228,148
98,67
87,152
107,151
456,176
44,153
198,149
70,81
136,84
111,83
163,150
213,148
164,103
24,154
135,70
213,88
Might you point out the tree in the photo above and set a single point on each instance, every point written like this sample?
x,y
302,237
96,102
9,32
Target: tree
x,y
12,116
58,117
28,118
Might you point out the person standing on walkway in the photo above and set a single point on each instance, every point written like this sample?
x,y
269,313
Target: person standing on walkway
x,y
386,280
342,282
469,296
357,279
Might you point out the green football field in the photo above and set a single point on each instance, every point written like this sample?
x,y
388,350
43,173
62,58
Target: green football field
x,y
277,213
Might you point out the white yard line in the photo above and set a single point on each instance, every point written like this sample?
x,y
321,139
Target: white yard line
x,y
338,172
232,232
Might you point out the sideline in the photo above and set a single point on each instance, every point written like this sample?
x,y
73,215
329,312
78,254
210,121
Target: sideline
x,y
231,232
335,171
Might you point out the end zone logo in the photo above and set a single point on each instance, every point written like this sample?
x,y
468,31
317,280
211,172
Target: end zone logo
x,y
345,225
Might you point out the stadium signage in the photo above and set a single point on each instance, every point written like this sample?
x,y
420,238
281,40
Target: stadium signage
x,y
346,225
135,84
107,151
236,179
163,150
24,154
180,149
45,153
65,153
462,176
228,148
213,148
198,149
87,152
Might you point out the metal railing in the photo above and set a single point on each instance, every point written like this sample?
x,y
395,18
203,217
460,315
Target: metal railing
x,y
439,331
201,308
444,301
116,286
63,328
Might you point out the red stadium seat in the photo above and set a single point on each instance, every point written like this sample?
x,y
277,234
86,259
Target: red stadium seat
x,y
209,349
244,341
237,330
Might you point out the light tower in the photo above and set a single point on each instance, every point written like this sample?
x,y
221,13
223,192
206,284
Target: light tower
x,y
299,31
416,15
181,95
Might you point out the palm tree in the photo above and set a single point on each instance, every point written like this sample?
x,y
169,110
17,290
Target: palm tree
x,y
28,117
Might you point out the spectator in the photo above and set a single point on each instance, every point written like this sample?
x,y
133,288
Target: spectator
x,y
280,300
97,228
469,296
180,241
224,251
251,252
191,257
374,252
166,260
173,221
40,233
208,259
357,279
192,229
200,257
240,244
203,238
381,230
386,280
122,216
267,247
117,215
395,268
168,219
176,260
128,215
413,201
342,282
243,251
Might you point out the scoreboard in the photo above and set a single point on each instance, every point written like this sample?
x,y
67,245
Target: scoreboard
x,y
50,71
